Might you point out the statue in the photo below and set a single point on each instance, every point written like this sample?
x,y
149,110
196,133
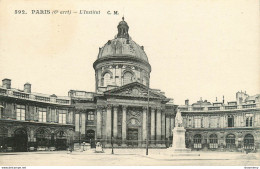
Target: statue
x,y
178,119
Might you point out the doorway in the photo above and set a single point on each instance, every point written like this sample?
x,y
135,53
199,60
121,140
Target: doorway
x,y
20,140
90,138
132,135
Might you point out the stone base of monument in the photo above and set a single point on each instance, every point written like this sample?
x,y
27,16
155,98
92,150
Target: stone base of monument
x,y
178,143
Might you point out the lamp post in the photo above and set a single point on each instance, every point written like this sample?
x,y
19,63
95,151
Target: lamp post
x,y
147,127
112,145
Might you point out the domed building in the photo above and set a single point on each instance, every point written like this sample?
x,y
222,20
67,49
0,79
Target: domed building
x,y
121,61
117,111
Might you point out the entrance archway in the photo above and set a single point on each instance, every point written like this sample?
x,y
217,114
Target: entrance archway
x,y
249,142
20,140
90,137
61,140
213,141
231,141
42,138
132,137
197,141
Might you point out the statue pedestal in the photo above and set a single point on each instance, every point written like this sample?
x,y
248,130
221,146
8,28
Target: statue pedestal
x,y
178,141
178,144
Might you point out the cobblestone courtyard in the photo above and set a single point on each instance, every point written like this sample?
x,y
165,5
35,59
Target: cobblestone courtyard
x,y
127,157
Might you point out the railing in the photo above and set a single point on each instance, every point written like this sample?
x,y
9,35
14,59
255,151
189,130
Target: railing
x,y
219,108
21,95
197,108
62,101
30,96
249,106
214,108
41,98
127,143
230,107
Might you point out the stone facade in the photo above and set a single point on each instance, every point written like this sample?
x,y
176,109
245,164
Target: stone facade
x,y
31,121
234,126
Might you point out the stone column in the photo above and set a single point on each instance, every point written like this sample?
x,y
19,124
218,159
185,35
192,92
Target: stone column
x,y
163,125
108,125
144,125
99,122
152,124
124,126
168,132
115,131
158,126
172,124
168,126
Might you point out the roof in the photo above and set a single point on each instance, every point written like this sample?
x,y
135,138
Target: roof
x,y
119,47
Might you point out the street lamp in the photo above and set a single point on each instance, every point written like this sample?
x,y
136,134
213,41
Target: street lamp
x,y
112,145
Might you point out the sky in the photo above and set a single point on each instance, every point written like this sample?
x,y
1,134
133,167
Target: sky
x,y
197,48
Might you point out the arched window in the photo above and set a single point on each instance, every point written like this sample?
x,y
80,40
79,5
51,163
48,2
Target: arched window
x,y
128,78
197,141
230,121
230,141
249,142
213,141
106,79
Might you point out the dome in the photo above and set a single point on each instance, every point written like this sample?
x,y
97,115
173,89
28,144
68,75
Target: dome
x,y
121,61
122,47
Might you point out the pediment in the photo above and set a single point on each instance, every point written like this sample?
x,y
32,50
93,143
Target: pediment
x,y
134,90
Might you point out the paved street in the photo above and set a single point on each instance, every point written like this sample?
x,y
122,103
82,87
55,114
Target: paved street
x,y
127,157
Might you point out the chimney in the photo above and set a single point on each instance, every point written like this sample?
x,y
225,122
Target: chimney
x,y
187,102
142,47
27,87
223,99
6,83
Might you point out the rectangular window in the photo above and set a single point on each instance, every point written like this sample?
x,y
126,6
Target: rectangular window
x,y
230,121
90,116
53,114
62,116
20,112
42,114
197,123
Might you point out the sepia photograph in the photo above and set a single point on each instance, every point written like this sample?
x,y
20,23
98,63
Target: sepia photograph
x,y
130,83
